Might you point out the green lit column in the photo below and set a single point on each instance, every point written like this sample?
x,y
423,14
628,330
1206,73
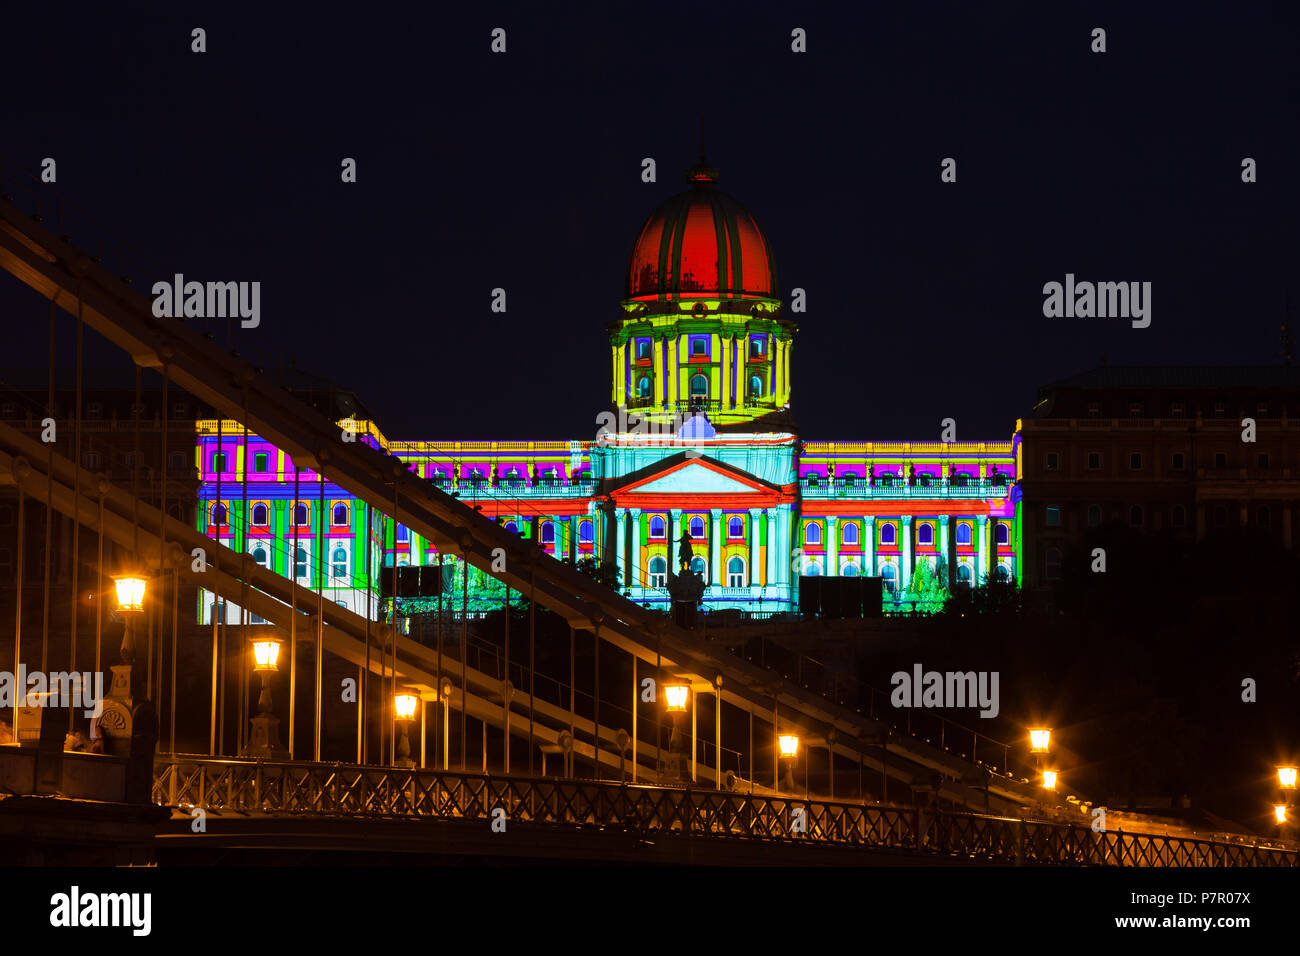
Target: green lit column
x,y
715,549
770,580
832,545
869,544
943,550
905,572
675,536
753,577
634,557
620,531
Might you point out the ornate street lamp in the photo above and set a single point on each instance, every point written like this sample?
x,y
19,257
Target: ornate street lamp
x,y
1286,777
787,747
265,737
1279,813
1040,741
405,703
1049,779
675,698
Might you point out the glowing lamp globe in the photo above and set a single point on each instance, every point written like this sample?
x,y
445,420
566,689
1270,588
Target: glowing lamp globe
x,y
1040,741
404,705
1279,812
1049,779
130,592
266,654
789,744
1286,777
675,694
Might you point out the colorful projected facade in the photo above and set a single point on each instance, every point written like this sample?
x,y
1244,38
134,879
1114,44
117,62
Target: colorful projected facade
x,y
698,451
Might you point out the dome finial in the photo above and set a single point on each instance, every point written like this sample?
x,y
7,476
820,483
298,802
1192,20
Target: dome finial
x,y
702,174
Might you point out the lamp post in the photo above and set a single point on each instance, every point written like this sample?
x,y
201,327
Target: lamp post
x,y
675,698
405,703
788,748
115,722
1049,779
265,737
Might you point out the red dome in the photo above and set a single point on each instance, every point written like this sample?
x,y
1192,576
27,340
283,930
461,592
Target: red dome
x,y
701,244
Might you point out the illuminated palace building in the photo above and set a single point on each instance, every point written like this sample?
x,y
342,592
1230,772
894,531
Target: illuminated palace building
x,y
699,453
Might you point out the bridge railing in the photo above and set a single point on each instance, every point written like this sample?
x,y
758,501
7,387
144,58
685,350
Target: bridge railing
x,y
242,786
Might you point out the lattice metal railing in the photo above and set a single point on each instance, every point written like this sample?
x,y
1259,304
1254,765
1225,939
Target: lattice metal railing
x,y
380,792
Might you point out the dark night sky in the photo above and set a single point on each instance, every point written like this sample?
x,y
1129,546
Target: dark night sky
x,y
523,171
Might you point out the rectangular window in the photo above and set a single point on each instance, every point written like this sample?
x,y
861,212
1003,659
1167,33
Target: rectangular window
x,y
1135,461
1134,409
1053,461
1094,460
700,347
1261,410
94,410
1220,459
1219,409
259,461
1053,516
1094,409
1176,410
219,462
1178,462
1263,460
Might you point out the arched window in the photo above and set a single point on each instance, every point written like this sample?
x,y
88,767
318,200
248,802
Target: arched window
x,y
656,526
963,573
548,532
584,532
1003,533
963,533
300,563
340,514
888,535
850,569
643,387
812,570
259,515
925,534
1094,515
736,572
889,576
698,566
699,386
261,557
512,527
1002,573
218,514
658,572
851,533
300,515
340,564
735,527
812,533
755,386
697,527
